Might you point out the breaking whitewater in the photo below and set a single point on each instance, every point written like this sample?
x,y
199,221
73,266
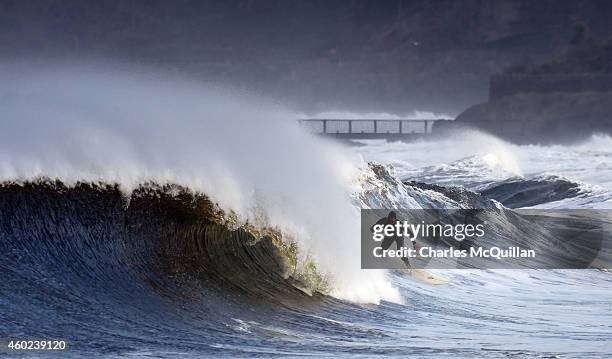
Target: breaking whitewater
x,y
146,215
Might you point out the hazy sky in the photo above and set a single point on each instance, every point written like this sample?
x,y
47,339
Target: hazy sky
x,y
360,55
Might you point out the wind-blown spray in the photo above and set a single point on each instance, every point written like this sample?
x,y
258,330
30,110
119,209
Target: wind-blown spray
x,y
112,126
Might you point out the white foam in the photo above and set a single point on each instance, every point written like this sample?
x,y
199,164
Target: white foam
x,y
475,160
90,123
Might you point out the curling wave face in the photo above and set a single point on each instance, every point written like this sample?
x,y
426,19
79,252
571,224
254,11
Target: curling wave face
x,y
159,269
92,240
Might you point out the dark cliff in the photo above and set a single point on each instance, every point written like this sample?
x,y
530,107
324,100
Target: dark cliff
x,y
542,117
564,99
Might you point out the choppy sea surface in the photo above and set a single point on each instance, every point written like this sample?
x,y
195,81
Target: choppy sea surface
x,y
128,235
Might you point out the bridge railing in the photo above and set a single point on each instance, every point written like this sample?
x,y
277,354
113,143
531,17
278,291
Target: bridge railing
x,y
368,126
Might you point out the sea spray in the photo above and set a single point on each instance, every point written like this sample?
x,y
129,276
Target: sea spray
x,y
98,124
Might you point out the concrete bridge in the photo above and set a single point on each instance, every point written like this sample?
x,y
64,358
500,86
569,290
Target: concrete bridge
x,y
353,129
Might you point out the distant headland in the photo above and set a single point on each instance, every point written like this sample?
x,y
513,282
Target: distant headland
x,y
564,100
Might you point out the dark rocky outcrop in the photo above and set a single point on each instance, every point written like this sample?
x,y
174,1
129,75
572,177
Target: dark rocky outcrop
x,y
565,99
542,117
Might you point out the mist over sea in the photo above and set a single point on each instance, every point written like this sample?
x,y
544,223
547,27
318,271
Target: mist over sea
x,y
147,215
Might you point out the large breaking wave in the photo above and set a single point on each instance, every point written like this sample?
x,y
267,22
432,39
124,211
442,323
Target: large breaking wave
x,y
164,239
151,215
111,126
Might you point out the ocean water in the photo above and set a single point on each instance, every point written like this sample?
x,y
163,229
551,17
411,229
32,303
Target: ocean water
x,y
478,161
127,209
